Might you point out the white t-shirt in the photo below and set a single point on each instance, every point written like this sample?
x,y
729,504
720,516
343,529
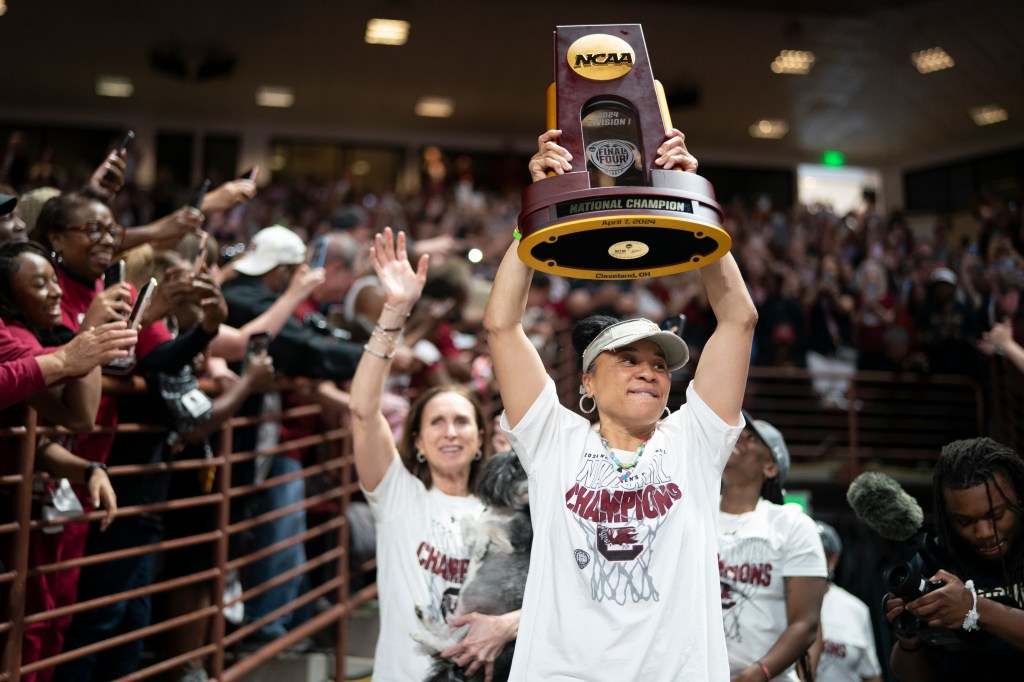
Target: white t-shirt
x,y
421,561
757,550
623,583
849,654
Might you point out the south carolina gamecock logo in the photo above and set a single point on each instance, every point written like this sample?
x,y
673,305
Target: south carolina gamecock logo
x,y
618,543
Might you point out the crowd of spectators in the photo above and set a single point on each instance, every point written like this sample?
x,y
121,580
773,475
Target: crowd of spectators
x,y
834,293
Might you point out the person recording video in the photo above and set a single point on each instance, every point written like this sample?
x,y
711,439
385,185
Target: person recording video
x,y
975,572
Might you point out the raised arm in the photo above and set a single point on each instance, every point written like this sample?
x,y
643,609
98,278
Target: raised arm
x,y
721,375
230,342
374,444
517,365
1001,338
166,232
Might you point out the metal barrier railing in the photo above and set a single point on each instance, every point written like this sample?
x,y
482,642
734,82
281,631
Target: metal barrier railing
x,y
338,464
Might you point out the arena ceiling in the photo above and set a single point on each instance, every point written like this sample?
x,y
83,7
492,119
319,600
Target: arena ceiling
x,y
862,97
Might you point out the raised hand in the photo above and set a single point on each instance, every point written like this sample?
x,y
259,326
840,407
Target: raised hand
x,y
673,154
172,227
228,195
304,281
96,346
109,305
211,300
402,286
108,177
550,157
259,373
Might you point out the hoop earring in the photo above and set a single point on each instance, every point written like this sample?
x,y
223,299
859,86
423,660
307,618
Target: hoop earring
x,y
668,413
420,458
479,456
592,407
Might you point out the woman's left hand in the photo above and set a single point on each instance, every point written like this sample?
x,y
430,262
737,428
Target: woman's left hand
x,y
487,636
101,492
673,153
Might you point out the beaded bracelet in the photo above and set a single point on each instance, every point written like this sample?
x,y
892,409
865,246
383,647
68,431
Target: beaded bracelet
x,y
378,354
971,619
383,336
764,669
395,310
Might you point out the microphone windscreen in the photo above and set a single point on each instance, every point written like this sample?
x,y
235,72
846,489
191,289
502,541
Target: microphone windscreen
x,y
881,503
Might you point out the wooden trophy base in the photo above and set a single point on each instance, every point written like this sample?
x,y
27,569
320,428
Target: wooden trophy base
x,y
625,232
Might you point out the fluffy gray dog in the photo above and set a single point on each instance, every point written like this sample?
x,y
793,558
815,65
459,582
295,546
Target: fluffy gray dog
x,y
499,545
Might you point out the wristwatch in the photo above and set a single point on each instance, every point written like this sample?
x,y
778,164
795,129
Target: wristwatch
x,y
93,466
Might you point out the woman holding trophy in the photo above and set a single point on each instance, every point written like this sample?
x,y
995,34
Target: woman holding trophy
x,y
623,580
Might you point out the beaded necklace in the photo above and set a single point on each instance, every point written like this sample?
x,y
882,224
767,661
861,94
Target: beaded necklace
x,y
625,469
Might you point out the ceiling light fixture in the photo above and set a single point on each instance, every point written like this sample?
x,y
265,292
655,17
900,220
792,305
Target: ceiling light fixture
x,y
796,62
988,114
114,86
275,96
387,31
769,129
435,107
932,59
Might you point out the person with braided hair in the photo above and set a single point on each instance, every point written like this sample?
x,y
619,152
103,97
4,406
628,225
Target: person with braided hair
x,y
978,555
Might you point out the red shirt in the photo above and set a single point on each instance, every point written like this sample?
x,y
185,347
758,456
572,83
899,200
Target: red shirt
x,y
307,306
73,304
20,375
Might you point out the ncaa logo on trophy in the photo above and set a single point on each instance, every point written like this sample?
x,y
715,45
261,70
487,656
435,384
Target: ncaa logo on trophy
x,y
622,217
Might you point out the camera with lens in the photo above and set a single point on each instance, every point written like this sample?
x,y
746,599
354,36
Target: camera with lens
x,y
908,583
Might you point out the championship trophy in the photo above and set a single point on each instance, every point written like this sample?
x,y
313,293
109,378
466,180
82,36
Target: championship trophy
x,y
618,215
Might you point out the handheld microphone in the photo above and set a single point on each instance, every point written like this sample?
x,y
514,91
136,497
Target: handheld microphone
x,y
880,502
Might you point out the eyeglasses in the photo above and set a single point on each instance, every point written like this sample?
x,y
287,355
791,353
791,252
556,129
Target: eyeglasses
x,y
95,230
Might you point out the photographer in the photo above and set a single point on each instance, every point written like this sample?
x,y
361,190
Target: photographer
x,y
979,558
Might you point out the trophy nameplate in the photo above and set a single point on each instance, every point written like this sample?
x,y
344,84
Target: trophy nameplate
x,y
616,215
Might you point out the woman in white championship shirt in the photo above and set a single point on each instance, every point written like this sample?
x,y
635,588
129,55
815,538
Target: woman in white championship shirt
x,y
419,494
771,563
623,581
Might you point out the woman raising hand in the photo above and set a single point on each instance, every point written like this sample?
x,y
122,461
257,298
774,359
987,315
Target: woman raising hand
x,y
419,492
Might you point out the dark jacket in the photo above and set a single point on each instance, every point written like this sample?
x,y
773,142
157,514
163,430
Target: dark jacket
x,y
298,350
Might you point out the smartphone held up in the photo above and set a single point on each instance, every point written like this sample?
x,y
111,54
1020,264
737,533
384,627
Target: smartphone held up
x,y
109,176
256,346
126,364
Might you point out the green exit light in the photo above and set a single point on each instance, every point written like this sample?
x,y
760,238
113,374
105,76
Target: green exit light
x,y
833,158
